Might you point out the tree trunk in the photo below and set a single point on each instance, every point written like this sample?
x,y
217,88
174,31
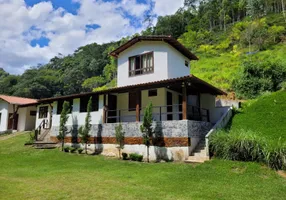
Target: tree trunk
x,y
148,154
63,143
85,148
283,9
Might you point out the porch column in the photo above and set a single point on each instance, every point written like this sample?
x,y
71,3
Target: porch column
x,y
138,96
184,102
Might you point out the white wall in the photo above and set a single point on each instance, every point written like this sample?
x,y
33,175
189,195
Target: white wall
x,y
4,115
168,63
76,117
160,63
30,120
176,63
22,119
130,116
38,120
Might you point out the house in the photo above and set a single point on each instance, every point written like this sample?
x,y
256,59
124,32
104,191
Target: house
x,y
13,116
150,69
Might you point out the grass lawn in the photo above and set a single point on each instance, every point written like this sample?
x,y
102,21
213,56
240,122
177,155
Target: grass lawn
x,y
27,173
265,116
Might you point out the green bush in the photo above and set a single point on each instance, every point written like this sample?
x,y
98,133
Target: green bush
x,y
136,157
80,150
124,156
72,149
66,148
259,77
247,146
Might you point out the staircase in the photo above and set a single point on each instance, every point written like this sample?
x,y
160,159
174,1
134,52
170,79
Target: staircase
x,y
199,155
44,141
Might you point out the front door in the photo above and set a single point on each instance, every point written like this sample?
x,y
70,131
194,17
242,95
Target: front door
x,y
112,107
169,106
10,122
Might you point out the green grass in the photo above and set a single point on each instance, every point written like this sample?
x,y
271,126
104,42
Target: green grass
x,y
264,116
27,173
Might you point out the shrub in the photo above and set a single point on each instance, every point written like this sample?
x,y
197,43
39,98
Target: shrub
x,y
66,148
247,146
125,156
72,149
136,157
80,150
275,155
257,78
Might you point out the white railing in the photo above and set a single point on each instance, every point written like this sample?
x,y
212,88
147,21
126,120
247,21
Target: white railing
x,y
221,123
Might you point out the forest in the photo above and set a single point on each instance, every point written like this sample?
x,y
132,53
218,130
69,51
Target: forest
x,y
240,45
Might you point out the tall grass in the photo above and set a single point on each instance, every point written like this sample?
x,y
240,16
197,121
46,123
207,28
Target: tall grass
x,y
244,145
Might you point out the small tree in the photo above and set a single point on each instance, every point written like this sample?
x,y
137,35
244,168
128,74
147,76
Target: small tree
x,y
63,120
146,128
84,130
119,134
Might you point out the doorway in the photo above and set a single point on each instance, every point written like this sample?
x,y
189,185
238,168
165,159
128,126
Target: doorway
x,y
169,106
10,122
112,105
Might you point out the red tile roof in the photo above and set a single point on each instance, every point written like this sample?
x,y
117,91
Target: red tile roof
x,y
17,100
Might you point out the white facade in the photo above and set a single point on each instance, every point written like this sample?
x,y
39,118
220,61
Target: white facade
x,y
26,121
168,63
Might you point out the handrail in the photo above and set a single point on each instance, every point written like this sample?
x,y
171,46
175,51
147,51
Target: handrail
x,y
38,129
221,123
196,113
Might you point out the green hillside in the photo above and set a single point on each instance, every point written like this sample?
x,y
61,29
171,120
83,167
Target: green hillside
x,y
240,44
265,116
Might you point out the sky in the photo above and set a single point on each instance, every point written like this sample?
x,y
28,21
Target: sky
x,y
34,31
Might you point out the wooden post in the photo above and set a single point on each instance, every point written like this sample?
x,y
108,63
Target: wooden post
x,y
138,96
184,102
160,114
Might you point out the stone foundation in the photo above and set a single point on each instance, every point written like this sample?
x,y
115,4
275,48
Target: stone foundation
x,y
172,140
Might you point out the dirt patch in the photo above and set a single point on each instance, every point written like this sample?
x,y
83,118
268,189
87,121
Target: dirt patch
x,y
238,170
282,173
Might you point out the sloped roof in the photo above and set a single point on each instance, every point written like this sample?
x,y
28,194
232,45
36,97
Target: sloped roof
x,y
17,100
194,82
168,39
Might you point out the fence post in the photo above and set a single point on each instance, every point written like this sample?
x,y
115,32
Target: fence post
x,y
119,116
160,113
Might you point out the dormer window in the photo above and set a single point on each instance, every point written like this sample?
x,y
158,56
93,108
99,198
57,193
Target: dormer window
x,y
141,64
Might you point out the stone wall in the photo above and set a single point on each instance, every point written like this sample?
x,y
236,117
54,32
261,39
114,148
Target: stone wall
x,y
172,139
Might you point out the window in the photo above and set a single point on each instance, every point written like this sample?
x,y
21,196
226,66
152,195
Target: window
x,y
33,113
152,93
186,63
60,106
43,112
133,100
141,64
84,102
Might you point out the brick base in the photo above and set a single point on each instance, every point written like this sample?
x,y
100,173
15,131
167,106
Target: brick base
x,y
161,142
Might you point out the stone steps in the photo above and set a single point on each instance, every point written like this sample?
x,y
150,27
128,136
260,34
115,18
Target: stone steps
x,y
45,145
199,155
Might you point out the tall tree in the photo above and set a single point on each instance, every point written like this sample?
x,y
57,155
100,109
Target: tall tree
x,y
63,121
84,131
146,127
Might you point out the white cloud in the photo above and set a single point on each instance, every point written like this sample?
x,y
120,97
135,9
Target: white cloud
x,y
65,31
167,7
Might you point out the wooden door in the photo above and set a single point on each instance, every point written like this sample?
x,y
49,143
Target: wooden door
x,y
169,106
10,122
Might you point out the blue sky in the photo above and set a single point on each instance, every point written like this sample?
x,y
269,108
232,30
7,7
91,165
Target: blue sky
x,y
38,30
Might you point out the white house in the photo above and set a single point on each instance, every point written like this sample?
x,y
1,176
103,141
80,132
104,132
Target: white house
x,y
150,69
15,117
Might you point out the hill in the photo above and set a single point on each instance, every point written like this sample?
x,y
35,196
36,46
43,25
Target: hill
x,y
265,116
232,39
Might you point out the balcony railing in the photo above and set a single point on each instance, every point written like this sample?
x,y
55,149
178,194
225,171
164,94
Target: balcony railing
x,y
160,113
